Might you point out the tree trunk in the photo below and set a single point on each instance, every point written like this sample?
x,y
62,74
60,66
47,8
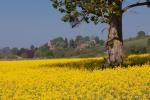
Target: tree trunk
x,y
115,41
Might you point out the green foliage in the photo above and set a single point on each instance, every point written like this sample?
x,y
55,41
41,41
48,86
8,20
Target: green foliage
x,y
72,44
1,56
59,53
97,39
131,47
141,34
138,50
59,42
76,11
101,42
66,43
43,52
79,39
12,56
32,47
14,51
86,38
148,42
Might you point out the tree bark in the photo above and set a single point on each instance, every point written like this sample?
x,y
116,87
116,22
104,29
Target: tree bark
x,y
115,41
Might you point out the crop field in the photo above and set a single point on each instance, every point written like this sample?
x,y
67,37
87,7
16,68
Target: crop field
x,y
69,79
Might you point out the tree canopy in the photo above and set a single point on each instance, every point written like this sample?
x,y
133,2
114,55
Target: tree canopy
x,y
76,11
100,11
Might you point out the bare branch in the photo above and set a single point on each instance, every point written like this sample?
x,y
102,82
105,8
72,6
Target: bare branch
x,y
135,5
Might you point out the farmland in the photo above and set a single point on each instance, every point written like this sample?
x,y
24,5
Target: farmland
x,y
60,79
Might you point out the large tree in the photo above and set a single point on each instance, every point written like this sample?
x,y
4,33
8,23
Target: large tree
x,y
100,11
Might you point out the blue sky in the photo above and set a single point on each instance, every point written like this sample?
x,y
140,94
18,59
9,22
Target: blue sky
x,y
26,22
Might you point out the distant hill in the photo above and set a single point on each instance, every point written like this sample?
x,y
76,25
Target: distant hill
x,y
136,41
78,47
137,45
134,45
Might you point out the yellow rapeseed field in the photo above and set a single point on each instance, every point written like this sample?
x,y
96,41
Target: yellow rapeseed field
x,y
33,79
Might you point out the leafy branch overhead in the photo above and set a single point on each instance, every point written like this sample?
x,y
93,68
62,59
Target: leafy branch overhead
x,y
77,11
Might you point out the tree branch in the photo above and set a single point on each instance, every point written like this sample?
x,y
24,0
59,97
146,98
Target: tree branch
x,y
135,5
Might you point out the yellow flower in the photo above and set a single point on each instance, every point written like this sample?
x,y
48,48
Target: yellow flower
x,y
55,79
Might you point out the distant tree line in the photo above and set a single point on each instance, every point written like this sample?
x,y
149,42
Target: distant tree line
x,y
57,47
80,46
78,42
